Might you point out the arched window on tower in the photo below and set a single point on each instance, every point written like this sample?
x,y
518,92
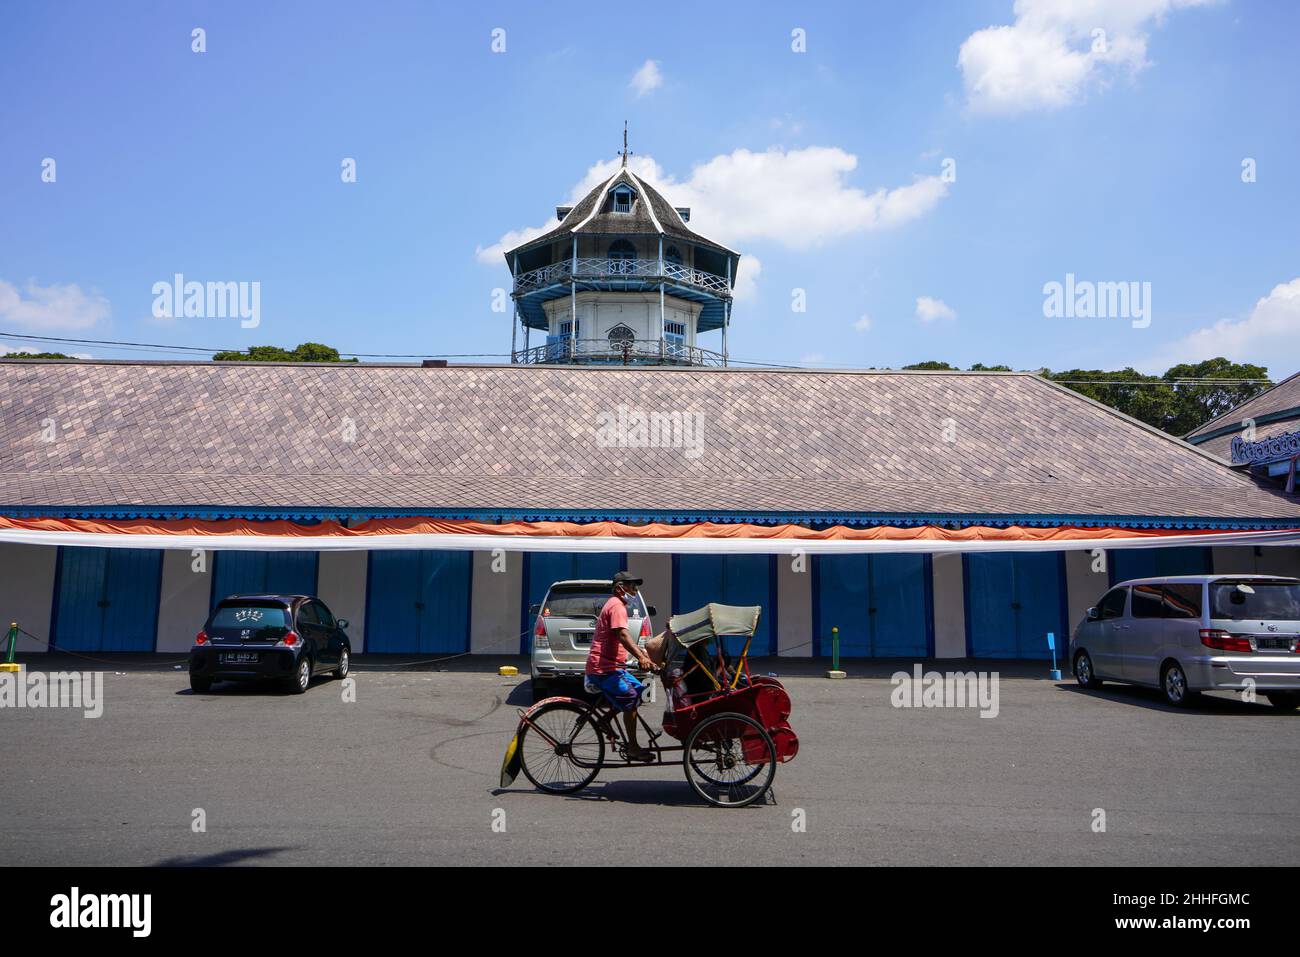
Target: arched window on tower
x,y
622,257
621,338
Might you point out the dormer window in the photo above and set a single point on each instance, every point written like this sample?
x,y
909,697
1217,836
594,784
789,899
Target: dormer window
x,y
623,197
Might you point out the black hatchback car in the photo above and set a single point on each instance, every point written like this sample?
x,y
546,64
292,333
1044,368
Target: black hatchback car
x,y
290,638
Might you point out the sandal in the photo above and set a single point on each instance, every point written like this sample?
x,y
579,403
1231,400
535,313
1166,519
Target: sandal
x,y
644,755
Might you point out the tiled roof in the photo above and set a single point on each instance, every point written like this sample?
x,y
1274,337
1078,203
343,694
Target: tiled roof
x,y
529,439
1283,397
651,214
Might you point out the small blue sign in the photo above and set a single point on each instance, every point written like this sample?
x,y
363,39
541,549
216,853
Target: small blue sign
x,y
1051,641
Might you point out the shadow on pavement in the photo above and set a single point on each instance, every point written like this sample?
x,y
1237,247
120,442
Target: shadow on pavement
x,y
1225,704
223,858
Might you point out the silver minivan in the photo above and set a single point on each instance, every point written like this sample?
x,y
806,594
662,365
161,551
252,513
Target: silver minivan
x,y
565,624
1190,633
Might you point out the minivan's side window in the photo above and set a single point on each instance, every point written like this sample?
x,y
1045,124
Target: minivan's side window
x,y
1112,606
1183,600
1147,601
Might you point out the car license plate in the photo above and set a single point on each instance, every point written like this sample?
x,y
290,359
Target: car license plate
x,y
582,637
1272,644
240,658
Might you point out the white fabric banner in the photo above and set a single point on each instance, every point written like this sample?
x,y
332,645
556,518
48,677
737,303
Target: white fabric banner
x,y
611,543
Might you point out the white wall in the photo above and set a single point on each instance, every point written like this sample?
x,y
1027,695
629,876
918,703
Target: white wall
x,y
1264,560
184,599
341,584
27,592
1087,579
657,570
794,598
948,590
495,600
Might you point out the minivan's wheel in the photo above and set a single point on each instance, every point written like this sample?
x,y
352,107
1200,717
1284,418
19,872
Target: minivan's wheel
x,y
1173,682
345,662
200,684
1284,700
301,676
1083,672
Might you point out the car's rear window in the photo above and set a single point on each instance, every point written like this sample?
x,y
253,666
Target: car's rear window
x,y
576,601
252,616
1265,600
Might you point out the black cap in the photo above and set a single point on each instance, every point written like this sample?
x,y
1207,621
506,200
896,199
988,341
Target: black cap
x,y
626,578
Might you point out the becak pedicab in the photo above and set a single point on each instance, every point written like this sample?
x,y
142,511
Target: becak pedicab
x,y
734,726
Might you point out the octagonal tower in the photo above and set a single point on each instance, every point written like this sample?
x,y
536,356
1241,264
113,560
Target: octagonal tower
x,y
622,280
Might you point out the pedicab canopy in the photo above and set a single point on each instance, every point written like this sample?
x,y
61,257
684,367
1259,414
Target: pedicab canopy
x,y
714,619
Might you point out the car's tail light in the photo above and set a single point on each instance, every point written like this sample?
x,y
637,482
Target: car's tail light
x,y
289,640
645,627
201,638
1222,641
539,634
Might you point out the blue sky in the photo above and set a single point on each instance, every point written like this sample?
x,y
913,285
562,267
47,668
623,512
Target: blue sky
x,y
1119,163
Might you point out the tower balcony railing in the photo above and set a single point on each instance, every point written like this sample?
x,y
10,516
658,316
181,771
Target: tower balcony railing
x,y
599,270
668,351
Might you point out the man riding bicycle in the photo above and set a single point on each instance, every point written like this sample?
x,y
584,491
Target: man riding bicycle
x,y
609,651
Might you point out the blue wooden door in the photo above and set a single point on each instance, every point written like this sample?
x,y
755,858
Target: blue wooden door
x,y
1012,602
1126,563
418,602
543,569
730,580
880,603
106,599
271,573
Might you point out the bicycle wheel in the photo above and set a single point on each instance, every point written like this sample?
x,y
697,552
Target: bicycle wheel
x,y
573,756
730,760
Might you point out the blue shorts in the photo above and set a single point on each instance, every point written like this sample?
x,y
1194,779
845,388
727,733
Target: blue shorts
x,y
621,690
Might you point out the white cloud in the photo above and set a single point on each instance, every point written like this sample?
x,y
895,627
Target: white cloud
x,y
797,198
647,79
1269,336
1055,48
746,288
929,310
863,323
812,359
51,307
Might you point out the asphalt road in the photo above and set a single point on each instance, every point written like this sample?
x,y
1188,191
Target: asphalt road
x,y
407,774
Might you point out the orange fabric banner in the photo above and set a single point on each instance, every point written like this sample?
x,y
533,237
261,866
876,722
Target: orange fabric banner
x,y
654,530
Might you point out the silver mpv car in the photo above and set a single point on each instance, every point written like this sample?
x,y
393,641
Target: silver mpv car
x,y
565,624
1191,633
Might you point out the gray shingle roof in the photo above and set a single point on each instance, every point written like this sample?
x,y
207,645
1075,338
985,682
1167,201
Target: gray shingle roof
x,y
526,439
1282,397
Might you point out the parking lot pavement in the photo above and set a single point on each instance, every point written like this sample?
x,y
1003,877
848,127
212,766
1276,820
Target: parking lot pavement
x,y
407,774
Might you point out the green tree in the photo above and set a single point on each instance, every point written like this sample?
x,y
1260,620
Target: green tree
x,y
934,366
1198,404
981,367
304,352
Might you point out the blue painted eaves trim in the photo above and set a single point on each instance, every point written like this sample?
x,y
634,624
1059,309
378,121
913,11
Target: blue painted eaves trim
x,y
812,519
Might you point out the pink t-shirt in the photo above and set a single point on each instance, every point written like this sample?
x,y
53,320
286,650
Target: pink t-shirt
x,y
607,652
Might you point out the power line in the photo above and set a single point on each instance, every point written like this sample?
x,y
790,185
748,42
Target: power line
x,y
160,346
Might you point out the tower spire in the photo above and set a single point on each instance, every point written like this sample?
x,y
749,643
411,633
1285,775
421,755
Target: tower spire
x,y
626,152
